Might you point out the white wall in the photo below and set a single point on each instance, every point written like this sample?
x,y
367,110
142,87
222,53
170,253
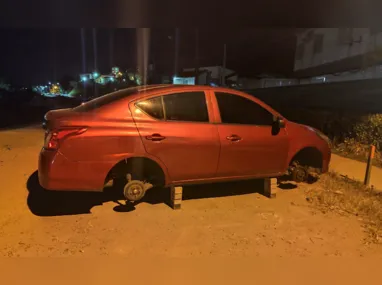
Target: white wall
x,y
367,73
184,80
333,50
248,83
216,71
277,82
253,83
202,80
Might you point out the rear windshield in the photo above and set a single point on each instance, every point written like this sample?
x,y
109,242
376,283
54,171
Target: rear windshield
x,y
106,99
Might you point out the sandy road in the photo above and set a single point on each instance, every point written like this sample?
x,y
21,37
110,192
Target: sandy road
x,y
216,220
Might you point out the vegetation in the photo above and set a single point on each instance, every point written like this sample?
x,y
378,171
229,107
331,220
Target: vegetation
x,y
351,133
356,144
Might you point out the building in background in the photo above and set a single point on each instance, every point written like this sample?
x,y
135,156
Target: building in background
x,y
210,75
338,54
189,78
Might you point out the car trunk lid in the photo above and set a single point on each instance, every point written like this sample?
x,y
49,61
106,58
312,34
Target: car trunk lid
x,y
55,118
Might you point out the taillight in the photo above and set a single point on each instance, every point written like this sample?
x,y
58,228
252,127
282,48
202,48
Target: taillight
x,y
53,138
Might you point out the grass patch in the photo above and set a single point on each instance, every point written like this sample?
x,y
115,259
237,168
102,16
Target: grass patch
x,y
344,196
357,151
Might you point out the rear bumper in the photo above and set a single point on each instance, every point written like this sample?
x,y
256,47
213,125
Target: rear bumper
x,y
56,172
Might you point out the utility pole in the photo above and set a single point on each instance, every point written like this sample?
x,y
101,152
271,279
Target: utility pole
x,y
111,48
176,51
143,48
196,57
54,57
83,47
146,52
95,48
95,60
224,64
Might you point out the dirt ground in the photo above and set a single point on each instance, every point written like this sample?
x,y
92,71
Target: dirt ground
x,y
230,219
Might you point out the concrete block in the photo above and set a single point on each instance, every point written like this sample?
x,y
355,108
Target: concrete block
x,y
270,187
176,197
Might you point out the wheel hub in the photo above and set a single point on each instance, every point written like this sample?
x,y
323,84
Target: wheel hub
x,y
299,174
134,190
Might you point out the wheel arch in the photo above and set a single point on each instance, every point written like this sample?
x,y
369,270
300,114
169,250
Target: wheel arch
x,y
140,164
309,156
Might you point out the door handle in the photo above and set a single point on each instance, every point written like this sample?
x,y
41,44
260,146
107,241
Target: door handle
x,y
155,137
234,138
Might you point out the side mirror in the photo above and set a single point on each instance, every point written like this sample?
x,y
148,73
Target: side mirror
x,y
280,122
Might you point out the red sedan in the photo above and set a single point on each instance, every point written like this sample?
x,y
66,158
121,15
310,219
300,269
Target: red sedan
x,y
162,135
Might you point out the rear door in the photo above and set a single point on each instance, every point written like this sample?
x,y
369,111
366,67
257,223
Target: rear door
x,y
248,145
176,129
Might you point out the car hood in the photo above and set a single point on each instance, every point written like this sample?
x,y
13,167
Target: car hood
x,y
308,130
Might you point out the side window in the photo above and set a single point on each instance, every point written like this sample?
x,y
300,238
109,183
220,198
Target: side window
x,y
235,109
187,106
153,107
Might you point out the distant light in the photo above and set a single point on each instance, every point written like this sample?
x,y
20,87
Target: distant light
x,y
112,78
95,74
49,83
124,79
84,78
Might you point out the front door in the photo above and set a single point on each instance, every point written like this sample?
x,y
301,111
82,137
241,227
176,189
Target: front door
x,y
249,147
175,128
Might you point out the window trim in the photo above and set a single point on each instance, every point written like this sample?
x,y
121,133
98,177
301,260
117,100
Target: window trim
x,y
220,121
164,109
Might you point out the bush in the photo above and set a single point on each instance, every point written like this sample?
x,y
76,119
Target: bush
x,y
369,130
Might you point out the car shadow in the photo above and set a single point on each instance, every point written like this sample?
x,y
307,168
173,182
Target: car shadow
x,y
59,203
287,186
52,203
202,191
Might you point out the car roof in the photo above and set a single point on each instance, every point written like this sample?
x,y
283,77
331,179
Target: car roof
x,y
175,87
148,90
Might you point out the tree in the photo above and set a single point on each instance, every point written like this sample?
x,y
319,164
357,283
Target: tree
x,y
4,84
65,82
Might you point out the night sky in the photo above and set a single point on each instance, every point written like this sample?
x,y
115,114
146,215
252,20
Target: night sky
x,y
33,56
